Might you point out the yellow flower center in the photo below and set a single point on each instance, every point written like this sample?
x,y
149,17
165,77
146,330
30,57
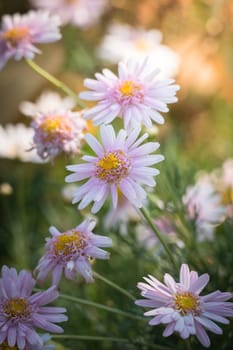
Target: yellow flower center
x,y
186,302
54,126
113,167
128,88
67,244
15,35
227,196
16,307
5,346
110,161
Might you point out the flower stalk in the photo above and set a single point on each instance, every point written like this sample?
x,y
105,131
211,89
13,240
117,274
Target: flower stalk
x,y
56,82
109,339
147,218
114,285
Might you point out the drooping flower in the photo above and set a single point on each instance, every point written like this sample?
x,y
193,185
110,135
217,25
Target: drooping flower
x,y
22,312
123,41
181,308
80,13
47,102
16,142
121,163
203,205
19,33
71,252
136,95
58,132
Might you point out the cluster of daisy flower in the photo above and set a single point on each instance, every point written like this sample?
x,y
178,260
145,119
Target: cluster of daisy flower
x,y
121,166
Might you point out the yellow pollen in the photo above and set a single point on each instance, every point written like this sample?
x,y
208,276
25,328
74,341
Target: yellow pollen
x,y
113,167
110,161
54,126
66,244
128,88
227,196
16,307
5,346
14,35
186,302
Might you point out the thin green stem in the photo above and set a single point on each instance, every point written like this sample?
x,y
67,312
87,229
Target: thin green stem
x,y
159,236
98,306
101,306
111,339
188,344
21,249
114,285
59,84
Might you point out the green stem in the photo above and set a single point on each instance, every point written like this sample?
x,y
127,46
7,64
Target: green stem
x,y
159,236
111,339
97,305
188,344
55,81
114,285
21,251
101,306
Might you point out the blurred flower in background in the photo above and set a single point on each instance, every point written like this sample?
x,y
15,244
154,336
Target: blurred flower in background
x,y
204,207
16,141
147,237
223,182
121,216
123,41
47,102
19,33
80,13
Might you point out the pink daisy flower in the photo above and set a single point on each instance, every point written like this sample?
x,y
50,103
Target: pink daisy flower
x,y
121,163
71,252
21,312
136,95
80,13
181,307
19,33
58,132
